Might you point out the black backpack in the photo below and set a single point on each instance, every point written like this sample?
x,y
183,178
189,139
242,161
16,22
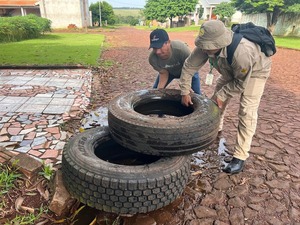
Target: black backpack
x,y
256,34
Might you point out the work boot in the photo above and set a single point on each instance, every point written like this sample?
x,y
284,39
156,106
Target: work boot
x,y
235,166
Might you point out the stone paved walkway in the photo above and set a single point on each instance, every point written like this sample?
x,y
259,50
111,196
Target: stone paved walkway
x,y
34,104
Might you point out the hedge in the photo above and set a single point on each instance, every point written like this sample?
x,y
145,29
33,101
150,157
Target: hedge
x,y
19,28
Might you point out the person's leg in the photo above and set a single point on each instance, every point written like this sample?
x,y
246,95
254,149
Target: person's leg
x,y
249,104
196,83
170,78
221,81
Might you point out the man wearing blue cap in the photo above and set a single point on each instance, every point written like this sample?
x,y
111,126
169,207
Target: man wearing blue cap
x,y
167,58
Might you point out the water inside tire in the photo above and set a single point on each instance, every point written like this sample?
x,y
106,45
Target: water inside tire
x,y
112,152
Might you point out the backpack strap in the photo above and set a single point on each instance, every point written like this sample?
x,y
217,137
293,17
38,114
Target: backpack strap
x,y
237,37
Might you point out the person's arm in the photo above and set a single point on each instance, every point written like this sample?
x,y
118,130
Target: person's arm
x,y
191,65
163,78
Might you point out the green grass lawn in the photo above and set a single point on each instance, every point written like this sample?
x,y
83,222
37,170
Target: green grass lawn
x,y
54,49
127,12
288,42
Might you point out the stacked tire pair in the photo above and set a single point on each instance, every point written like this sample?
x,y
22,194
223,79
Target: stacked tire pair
x,y
141,161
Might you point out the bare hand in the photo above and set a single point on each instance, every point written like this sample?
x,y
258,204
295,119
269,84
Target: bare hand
x,y
186,100
219,103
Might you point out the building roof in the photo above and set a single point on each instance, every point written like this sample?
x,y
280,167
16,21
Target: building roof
x,y
18,2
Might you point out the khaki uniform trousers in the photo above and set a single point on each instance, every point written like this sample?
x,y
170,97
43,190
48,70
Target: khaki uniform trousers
x,y
249,103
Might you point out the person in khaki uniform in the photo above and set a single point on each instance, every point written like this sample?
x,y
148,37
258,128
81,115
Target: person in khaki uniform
x,y
246,76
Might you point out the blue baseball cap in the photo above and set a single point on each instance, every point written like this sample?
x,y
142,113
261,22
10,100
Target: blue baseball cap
x,y
158,37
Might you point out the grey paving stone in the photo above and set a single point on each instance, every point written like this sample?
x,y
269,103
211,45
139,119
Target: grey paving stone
x,y
14,100
38,81
74,83
57,109
56,82
39,100
31,108
61,101
47,95
4,79
19,80
5,107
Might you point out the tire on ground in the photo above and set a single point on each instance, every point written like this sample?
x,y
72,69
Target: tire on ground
x,y
104,175
175,130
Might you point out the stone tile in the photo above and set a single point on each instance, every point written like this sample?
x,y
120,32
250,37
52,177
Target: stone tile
x,y
31,135
71,96
35,153
2,160
59,95
39,101
5,79
53,130
60,145
39,141
29,126
56,109
15,124
17,138
14,130
26,143
3,131
28,165
19,80
31,108
74,83
4,138
50,154
61,101
14,100
22,88
9,107
56,136
4,119
19,112
56,82
24,149
48,95
38,81
40,134
26,131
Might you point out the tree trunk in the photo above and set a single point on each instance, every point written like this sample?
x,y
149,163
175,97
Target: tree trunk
x,y
272,19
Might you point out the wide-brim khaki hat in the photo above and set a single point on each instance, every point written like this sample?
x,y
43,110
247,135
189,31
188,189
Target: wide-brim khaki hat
x,y
213,35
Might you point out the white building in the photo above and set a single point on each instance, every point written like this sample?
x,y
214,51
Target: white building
x,y
62,13
208,7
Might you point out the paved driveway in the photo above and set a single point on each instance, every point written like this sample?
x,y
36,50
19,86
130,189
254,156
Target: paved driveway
x,y
33,106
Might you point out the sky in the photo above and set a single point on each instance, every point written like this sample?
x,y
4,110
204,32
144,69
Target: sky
x,y
123,3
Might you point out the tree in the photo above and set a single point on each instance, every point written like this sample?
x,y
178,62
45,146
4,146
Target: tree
x,y
160,10
273,8
107,13
224,10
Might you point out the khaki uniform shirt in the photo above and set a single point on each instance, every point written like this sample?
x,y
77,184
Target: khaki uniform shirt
x,y
248,61
180,51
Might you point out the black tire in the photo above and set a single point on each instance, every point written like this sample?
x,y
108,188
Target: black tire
x,y
187,130
104,175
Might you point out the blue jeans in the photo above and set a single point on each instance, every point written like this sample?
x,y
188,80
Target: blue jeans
x,y
195,82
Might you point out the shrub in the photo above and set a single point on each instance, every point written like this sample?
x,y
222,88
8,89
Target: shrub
x,y
22,27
